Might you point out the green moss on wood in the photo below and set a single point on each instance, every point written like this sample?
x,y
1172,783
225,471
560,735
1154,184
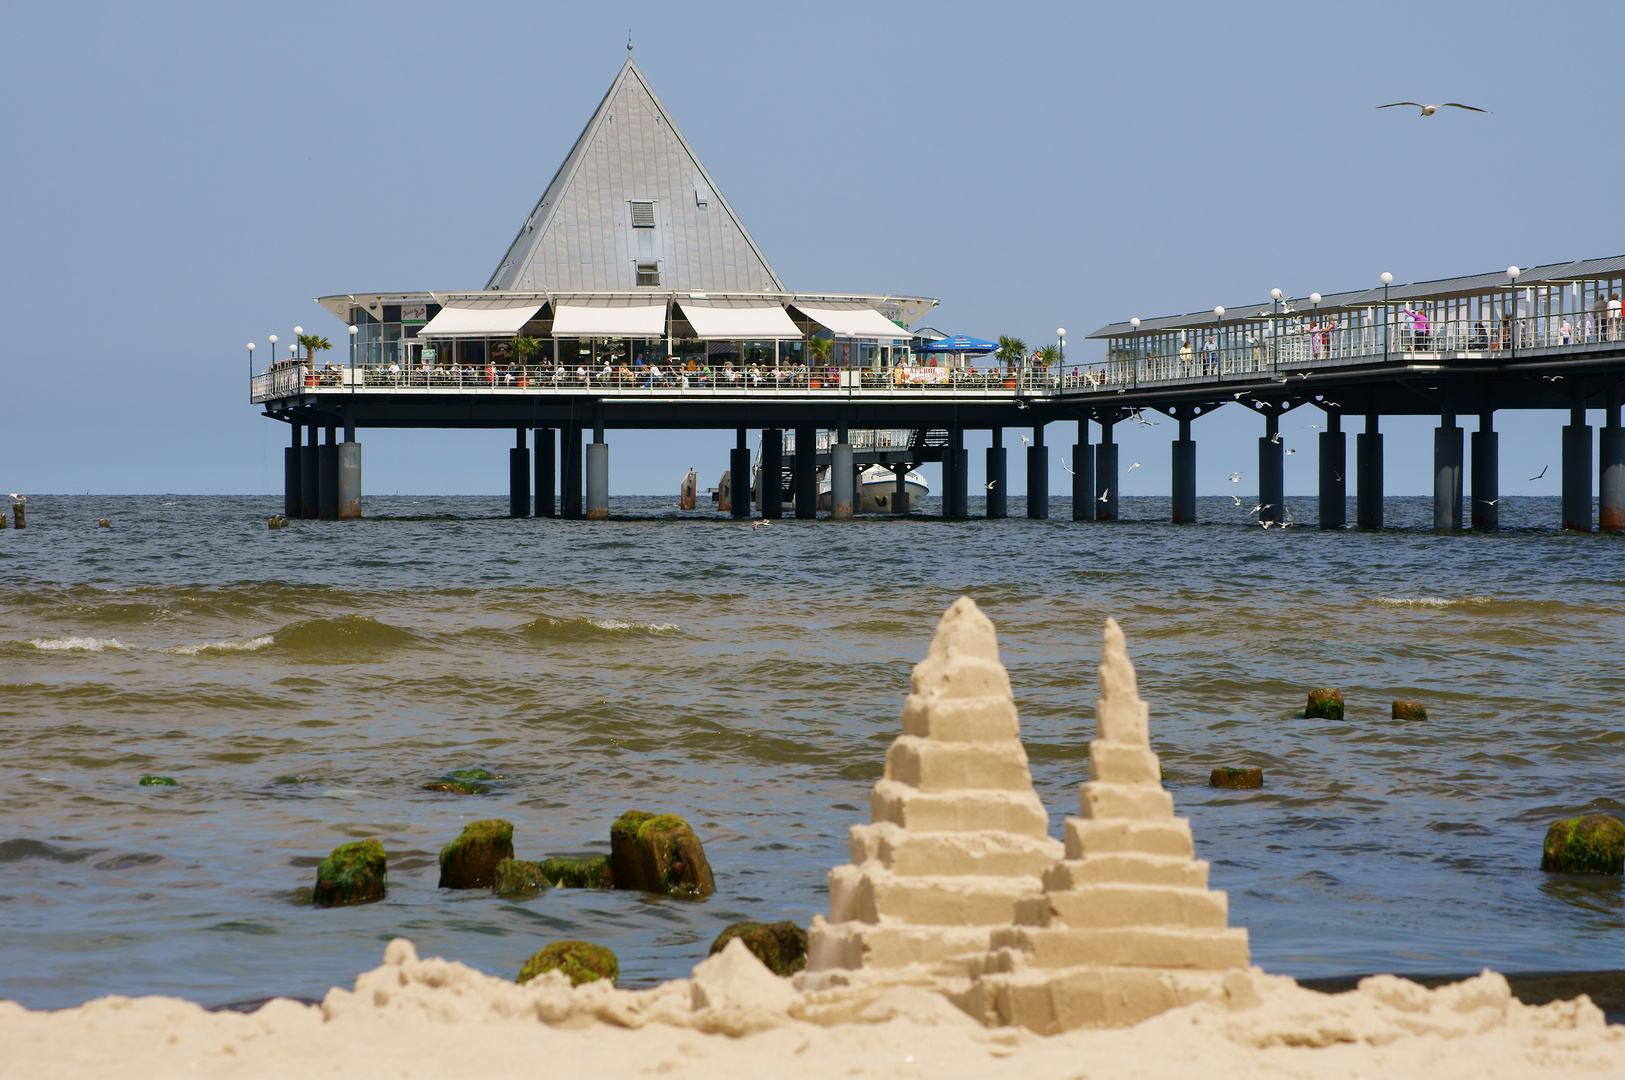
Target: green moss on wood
x,y
516,877
658,853
781,946
1324,704
470,861
1594,844
351,874
457,787
1409,710
470,774
589,873
1236,779
582,961
158,781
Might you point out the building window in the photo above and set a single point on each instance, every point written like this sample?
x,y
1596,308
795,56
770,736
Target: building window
x,y
648,273
643,215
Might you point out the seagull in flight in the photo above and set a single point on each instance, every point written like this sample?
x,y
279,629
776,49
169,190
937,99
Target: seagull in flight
x,y
1237,498
1532,479
1429,110
990,484
1489,502
1239,394
1312,427
1134,466
1235,478
1139,417
1025,440
1064,465
1291,451
1105,494
1020,404
1276,437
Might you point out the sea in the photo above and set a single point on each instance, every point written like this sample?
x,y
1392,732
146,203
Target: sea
x,y
303,685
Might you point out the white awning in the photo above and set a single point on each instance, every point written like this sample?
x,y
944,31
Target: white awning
x,y
610,318
850,319
480,318
739,320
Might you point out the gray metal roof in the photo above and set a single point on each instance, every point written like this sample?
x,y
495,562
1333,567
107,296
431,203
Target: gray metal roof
x,y
1440,289
580,236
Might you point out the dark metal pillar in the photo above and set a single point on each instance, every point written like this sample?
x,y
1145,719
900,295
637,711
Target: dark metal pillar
x,y
1334,469
1577,472
739,477
546,467
1184,478
1611,444
310,473
955,467
292,474
519,477
806,473
1271,471
1105,498
1447,474
1038,476
1486,474
327,484
772,479
1368,492
570,469
899,496
1083,475
998,505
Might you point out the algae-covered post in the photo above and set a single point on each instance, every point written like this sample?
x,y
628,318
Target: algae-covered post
x,y
351,874
582,961
781,946
1594,844
470,861
658,853
1324,704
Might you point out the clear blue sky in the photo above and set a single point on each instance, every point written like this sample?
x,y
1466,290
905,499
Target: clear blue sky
x,y
182,179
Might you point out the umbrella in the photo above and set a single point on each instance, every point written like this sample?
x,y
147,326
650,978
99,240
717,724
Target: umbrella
x,y
961,344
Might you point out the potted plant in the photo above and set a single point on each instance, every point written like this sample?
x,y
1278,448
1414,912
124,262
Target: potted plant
x,y
1011,351
313,344
525,348
818,348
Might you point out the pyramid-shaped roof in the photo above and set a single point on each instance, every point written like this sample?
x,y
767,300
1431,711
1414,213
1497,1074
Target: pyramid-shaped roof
x,y
582,236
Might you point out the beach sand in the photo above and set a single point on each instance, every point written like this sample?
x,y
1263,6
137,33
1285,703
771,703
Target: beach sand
x,y
436,1018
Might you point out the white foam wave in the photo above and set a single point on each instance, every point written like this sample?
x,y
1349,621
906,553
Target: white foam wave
x,y
1434,601
618,624
77,644
239,645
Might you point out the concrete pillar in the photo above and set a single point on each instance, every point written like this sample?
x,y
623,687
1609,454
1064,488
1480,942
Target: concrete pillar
x,y
598,477
739,477
842,482
1611,444
328,481
349,479
806,473
955,476
292,473
1184,478
899,497
1486,474
998,499
1271,471
1368,492
1577,472
1105,497
1038,476
1334,470
546,467
310,472
770,483
1447,474
519,477
570,470
1083,476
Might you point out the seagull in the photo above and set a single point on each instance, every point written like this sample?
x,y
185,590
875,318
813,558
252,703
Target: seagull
x,y
1551,378
1134,466
762,524
1337,476
1532,479
1333,404
1020,404
1104,494
1139,416
1266,523
1260,507
1239,394
990,484
1065,466
1235,478
1312,427
1290,451
16,498
1276,437
1489,502
1429,110
1025,440
1237,498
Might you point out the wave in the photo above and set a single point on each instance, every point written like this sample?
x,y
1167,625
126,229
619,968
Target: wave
x,y
78,644
547,628
238,645
347,637
1434,601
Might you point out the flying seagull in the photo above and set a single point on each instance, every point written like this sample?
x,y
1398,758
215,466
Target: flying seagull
x,y
1065,466
990,484
1532,479
1235,478
1429,110
1237,498
1104,494
1134,466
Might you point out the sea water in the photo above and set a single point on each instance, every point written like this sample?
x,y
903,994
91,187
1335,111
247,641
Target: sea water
x,y
303,685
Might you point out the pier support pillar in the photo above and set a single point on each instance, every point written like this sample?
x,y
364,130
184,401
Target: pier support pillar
x,y
598,477
546,468
1611,444
806,472
1184,475
310,473
349,478
770,484
570,471
1368,491
1083,475
1334,470
519,477
956,476
1038,476
328,482
1447,474
899,496
842,481
998,501
739,477
292,473
1577,472
1486,478
1105,497
1271,472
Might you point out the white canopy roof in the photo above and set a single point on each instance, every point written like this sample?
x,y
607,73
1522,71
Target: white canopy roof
x,y
739,320
610,318
850,319
480,318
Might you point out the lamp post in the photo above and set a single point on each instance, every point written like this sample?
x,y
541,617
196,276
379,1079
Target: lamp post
x,y
1060,368
1218,317
353,329
251,367
1134,348
1275,327
1314,319
1512,280
1387,279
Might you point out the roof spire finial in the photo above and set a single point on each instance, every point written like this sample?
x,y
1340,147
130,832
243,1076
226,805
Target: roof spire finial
x,y
629,41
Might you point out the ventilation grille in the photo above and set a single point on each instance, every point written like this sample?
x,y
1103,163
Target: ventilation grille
x,y
643,215
648,273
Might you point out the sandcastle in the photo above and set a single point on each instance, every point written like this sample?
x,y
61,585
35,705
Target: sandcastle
x,y
958,837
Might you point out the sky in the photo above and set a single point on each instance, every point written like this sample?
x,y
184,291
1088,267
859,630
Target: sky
x,y
181,179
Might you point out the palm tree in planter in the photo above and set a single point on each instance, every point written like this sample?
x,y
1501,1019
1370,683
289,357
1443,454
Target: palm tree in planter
x,y
525,348
819,349
1049,356
1012,350
313,344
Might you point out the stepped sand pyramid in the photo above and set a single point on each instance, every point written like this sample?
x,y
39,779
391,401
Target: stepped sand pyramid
x,y
1126,927
959,838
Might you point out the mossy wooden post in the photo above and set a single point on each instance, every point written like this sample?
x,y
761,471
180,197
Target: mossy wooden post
x,y
592,872
158,781
1594,844
351,874
516,877
1409,710
1324,704
1237,779
470,861
582,961
781,946
658,853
